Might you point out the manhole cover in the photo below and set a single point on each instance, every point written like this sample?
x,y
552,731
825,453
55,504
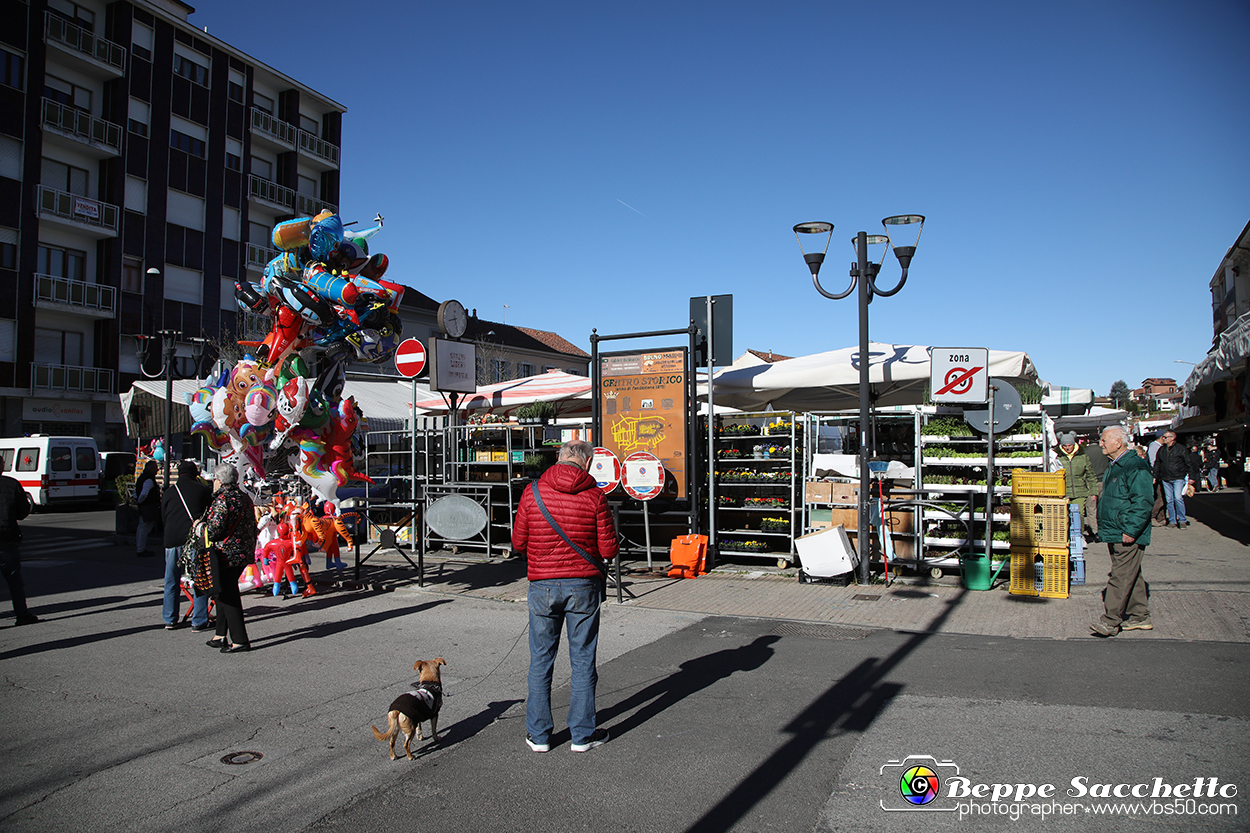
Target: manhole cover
x,y
860,597
820,631
240,758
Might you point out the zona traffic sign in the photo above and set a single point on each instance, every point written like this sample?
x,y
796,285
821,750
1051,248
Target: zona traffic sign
x,y
410,358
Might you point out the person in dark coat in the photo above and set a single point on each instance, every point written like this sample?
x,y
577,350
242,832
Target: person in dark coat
x,y
148,499
1176,468
231,522
14,506
565,589
181,505
1124,525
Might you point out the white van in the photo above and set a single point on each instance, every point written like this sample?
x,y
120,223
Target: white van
x,y
53,470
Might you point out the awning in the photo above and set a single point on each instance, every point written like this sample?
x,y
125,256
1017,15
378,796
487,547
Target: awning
x,y
569,393
898,375
1224,358
1065,401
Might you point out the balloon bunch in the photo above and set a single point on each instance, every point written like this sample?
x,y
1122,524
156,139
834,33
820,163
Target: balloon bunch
x,y
327,304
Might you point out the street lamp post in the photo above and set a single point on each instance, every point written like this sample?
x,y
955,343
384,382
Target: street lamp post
x,y
863,276
169,345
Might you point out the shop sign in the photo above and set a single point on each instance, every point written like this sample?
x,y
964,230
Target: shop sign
x,y
52,410
643,404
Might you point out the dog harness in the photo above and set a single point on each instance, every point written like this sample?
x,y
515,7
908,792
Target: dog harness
x,y
420,704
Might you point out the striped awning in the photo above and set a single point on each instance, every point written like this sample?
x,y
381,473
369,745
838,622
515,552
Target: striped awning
x,y
569,393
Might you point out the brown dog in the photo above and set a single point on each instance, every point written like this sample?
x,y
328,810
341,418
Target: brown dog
x,y
412,707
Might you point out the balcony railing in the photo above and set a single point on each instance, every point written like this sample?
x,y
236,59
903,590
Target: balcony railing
x,y
58,30
271,192
82,126
319,147
67,206
258,257
273,127
70,377
93,298
307,206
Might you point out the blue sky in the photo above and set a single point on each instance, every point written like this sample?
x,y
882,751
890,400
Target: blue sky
x,y
594,165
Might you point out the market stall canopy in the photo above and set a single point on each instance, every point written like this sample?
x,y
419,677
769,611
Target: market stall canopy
x,y
898,375
1225,359
569,393
1063,401
1096,419
385,404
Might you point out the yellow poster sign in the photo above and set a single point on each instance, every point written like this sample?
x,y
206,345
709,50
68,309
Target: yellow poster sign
x,y
642,399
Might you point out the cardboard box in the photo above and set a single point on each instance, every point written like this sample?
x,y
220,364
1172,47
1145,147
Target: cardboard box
x,y
816,491
826,553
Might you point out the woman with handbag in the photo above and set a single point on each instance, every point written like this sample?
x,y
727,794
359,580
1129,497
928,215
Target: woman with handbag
x,y
181,506
231,527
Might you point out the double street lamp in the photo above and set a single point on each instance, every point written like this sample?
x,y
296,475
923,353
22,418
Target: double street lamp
x,y
169,344
863,276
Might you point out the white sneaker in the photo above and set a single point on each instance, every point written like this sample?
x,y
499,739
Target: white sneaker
x,y
597,738
536,746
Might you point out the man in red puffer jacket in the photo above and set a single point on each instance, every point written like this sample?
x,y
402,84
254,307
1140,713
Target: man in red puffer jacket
x,y
565,589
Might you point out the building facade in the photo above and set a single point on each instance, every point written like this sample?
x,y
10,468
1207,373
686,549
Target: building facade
x,y
143,165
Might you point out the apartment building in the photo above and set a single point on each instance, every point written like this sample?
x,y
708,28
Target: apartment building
x,y
143,165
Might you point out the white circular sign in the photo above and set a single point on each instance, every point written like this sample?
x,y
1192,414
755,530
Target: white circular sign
x,y
605,468
643,475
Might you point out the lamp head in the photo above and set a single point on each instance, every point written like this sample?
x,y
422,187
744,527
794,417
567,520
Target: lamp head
x,y
814,259
141,347
875,256
907,252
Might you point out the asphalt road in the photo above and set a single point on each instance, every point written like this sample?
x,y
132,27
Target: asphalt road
x,y
112,723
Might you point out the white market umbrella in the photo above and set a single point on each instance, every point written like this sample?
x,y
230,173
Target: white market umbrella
x,y
569,393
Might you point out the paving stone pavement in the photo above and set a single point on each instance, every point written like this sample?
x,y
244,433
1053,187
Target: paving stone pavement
x,y
1200,589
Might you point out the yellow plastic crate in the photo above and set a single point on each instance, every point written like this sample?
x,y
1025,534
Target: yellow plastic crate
x,y
1023,576
1038,483
1039,522
1054,574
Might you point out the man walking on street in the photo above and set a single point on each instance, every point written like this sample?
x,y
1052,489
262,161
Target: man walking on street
x,y
181,506
14,506
564,529
1176,469
1124,524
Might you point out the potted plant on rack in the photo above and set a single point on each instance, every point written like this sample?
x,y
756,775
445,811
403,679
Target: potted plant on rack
x,y
536,413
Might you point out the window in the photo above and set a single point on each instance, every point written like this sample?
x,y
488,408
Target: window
x,y
263,168
64,92
190,70
28,459
499,370
58,347
132,275
307,186
60,458
189,144
186,285
10,157
231,222
234,154
8,248
61,263
11,68
137,194
73,13
259,234
185,210
309,125
8,340
526,370
64,177
85,458
141,40
262,102
139,117
234,88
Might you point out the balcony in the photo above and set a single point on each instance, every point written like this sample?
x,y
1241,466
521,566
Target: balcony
x,y
69,295
253,327
101,138
319,149
271,193
306,206
258,257
98,219
273,130
70,377
99,57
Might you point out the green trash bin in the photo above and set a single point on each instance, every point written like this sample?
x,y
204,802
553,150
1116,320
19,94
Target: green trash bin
x,y
976,572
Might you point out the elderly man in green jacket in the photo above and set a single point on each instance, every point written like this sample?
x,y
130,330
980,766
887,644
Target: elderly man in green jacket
x,y
1124,524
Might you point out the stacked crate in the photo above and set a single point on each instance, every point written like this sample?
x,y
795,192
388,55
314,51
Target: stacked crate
x,y
1039,534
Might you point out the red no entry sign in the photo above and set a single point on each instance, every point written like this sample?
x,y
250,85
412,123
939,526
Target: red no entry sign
x,y
410,358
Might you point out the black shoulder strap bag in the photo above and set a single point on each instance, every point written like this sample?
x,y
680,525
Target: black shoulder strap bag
x,y
598,565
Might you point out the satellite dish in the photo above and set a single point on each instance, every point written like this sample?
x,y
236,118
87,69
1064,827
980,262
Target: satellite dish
x,y
1006,413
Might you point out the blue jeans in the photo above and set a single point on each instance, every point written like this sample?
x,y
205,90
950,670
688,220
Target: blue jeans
x,y
1213,478
173,593
1174,495
554,603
